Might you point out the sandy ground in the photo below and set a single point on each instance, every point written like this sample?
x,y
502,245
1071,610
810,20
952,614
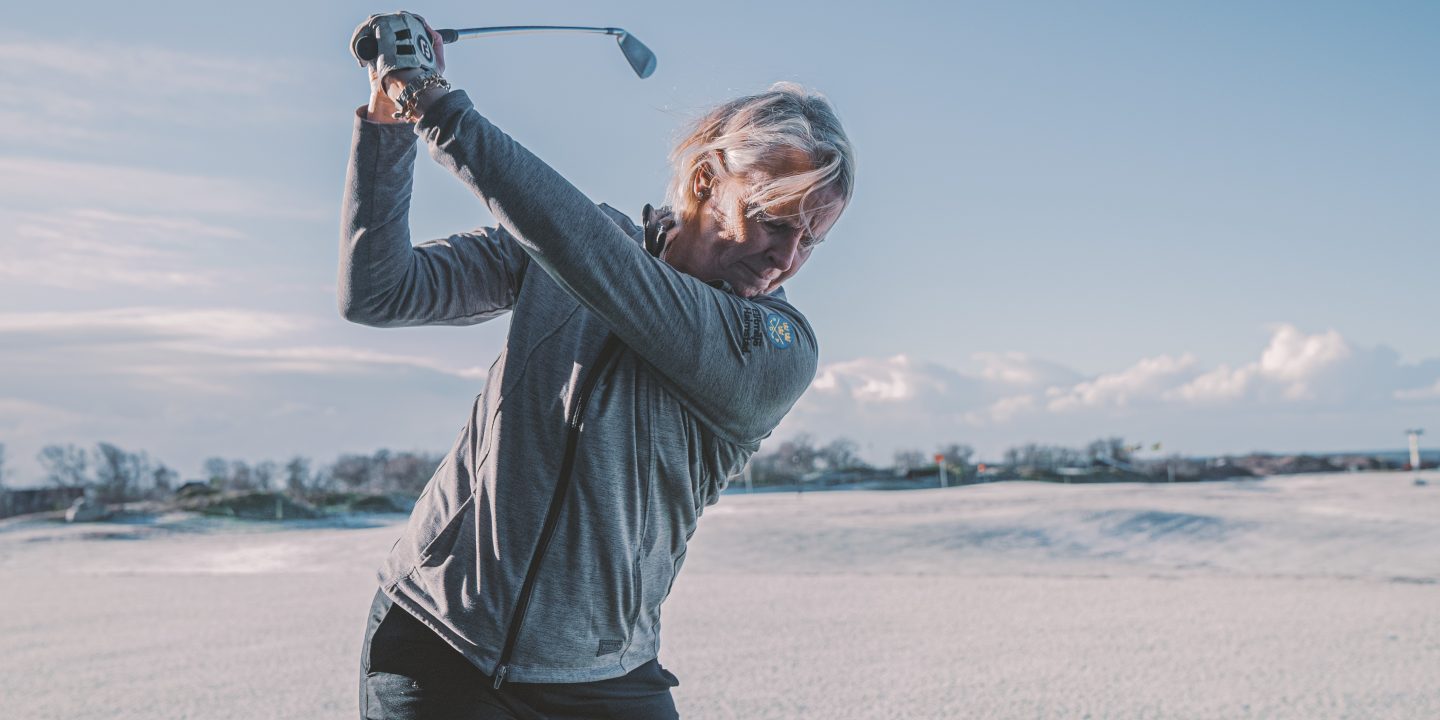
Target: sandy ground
x,y
1302,597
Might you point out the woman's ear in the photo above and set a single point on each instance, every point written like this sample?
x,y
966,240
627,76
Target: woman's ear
x,y
702,183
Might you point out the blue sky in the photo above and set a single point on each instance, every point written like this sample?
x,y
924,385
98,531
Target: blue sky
x,y
1212,226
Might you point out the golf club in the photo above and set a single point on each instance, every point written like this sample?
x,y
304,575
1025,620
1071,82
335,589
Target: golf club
x,y
641,59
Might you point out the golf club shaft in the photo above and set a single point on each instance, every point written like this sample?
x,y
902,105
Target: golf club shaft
x,y
641,59
450,36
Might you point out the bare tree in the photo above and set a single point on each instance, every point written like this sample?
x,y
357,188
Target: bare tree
x,y
118,473
265,474
787,463
352,471
241,476
908,460
1012,458
1031,459
297,475
217,472
322,480
956,454
1112,448
65,465
841,454
407,472
164,479
796,457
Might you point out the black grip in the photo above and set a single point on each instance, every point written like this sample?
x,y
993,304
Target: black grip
x,y
367,48
448,36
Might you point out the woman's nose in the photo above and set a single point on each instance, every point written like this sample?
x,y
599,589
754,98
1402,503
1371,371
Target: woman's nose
x,y
784,248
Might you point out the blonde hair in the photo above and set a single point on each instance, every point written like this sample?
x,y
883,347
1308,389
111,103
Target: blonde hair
x,y
747,136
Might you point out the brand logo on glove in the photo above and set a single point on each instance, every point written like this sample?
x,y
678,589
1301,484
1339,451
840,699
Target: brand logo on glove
x,y
778,328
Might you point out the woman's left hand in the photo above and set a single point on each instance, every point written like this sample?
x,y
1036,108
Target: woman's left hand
x,y
384,89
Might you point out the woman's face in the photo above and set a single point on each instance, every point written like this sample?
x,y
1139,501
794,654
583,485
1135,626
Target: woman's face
x,y
756,254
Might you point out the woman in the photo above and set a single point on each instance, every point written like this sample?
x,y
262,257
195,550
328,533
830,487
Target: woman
x,y
642,367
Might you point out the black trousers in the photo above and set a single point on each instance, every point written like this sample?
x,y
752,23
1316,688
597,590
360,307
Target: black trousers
x,y
407,672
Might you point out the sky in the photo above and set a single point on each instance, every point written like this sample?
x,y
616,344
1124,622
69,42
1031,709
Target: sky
x,y
1209,226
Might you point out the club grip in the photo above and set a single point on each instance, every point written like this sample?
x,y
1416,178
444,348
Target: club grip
x,y
448,36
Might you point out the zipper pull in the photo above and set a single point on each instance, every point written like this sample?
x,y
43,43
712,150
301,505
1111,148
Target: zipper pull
x,y
499,676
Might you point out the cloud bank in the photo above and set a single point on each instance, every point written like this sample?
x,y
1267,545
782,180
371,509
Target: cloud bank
x,y
187,384
1314,391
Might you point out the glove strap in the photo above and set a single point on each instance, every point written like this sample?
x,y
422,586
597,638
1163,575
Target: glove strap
x,y
410,94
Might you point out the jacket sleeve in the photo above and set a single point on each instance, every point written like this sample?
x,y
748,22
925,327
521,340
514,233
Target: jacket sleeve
x,y
739,364
464,279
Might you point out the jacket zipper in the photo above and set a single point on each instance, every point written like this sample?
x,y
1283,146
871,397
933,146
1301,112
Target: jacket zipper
x,y
557,503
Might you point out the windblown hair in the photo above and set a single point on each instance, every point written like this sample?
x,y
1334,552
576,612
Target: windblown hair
x,y
746,138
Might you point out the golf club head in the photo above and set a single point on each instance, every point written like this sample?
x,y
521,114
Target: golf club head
x,y
642,61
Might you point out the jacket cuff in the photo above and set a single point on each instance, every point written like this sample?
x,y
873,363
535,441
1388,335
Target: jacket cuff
x,y
451,103
390,140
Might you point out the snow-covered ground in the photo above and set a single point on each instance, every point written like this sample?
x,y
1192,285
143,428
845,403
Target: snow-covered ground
x,y
1300,597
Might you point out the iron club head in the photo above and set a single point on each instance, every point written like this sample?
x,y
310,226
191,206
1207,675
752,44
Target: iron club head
x,y
642,60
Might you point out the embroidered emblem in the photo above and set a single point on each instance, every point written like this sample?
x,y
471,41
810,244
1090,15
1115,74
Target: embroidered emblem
x,y
778,328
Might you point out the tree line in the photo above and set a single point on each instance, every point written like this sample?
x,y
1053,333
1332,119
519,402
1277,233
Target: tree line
x,y
116,475
801,457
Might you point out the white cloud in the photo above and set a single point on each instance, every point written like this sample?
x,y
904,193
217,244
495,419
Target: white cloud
x,y
1298,383
190,345
869,381
44,131
1431,392
133,67
19,417
1023,371
330,360
29,182
1293,367
1004,410
1144,381
91,227
145,324
89,249
894,381
80,92
79,215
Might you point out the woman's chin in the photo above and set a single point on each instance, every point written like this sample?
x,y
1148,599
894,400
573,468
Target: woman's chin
x,y
752,289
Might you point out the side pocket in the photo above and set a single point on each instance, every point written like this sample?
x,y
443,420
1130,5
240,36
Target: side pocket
x,y
444,543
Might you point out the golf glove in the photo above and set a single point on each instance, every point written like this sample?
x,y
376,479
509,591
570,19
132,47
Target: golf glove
x,y
393,41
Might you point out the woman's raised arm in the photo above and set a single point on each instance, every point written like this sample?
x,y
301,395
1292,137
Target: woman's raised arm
x,y
464,279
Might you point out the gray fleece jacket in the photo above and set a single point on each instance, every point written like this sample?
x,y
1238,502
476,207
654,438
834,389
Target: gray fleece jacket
x,y
626,395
